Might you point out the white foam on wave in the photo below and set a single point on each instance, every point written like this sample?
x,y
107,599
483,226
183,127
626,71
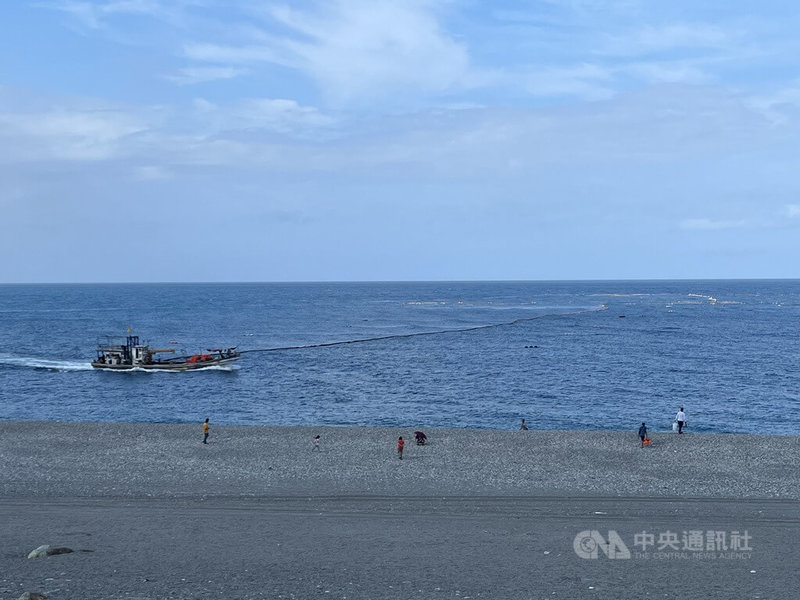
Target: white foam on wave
x,y
137,370
710,299
615,295
226,368
34,362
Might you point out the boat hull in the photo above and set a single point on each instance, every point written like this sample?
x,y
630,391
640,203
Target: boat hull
x,y
165,366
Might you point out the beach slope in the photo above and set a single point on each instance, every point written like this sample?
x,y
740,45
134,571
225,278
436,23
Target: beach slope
x,y
151,512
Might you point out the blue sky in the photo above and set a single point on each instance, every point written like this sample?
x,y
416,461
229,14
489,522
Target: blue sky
x,y
201,140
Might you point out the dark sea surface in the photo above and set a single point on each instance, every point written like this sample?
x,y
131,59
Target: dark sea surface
x,y
564,355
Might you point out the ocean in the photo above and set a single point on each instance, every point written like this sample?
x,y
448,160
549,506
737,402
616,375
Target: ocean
x,y
562,355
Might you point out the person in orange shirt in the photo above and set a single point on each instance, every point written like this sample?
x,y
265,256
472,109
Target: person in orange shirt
x,y
205,431
400,445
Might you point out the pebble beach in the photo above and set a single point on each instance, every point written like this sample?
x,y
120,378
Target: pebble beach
x,y
151,512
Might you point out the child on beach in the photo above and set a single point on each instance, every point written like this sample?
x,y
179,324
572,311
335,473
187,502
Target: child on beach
x,y
643,433
315,443
205,431
400,445
523,427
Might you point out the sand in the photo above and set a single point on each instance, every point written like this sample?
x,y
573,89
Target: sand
x,y
154,513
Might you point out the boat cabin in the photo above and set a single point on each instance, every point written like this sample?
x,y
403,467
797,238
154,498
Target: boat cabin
x,y
130,353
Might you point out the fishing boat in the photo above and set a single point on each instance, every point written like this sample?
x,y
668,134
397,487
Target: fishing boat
x,y
114,354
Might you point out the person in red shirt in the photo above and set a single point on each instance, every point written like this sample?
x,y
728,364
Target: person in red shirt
x,y
400,445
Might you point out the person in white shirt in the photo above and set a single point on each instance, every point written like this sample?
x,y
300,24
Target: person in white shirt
x,y
681,419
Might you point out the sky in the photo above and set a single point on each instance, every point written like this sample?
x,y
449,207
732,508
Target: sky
x,y
363,140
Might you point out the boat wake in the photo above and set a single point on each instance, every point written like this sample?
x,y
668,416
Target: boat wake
x,y
33,362
137,370
223,368
47,364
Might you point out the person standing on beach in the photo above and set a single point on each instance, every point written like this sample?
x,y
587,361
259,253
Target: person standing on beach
x,y
315,444
400,445
681,419
523,427
205,431
643,433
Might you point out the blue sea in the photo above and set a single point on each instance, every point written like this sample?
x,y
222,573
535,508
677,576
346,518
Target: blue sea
x,y
563,355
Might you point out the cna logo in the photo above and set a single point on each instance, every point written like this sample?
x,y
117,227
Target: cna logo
x,y
588,543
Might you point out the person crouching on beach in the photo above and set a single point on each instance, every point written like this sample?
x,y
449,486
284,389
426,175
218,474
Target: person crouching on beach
x,y
205,431
643,433
400,445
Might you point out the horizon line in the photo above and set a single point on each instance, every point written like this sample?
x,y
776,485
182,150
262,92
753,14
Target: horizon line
x,y
391,281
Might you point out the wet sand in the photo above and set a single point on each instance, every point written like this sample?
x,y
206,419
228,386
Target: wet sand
x,y
154,513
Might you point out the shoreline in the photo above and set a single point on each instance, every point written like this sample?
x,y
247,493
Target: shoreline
x,y
86,459
532,428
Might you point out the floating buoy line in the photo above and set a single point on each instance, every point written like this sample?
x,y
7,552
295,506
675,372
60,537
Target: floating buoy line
x,y
398,336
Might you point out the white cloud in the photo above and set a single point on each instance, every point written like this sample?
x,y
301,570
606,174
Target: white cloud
x,y
201,105
793,210
95,14
262,116
280,114
84,12
356,49
152,173
69,134
710,224
666,126
192,75
656,72
219,53
586,81
602,6
781,105
677,36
